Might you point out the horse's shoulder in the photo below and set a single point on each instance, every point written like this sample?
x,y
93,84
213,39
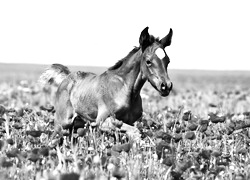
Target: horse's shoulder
x,y
111,77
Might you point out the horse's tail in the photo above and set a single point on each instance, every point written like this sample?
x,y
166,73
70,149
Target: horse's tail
x,y
55,74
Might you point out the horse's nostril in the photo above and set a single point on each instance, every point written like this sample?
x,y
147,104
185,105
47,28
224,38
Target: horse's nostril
x,y
163,86
166,86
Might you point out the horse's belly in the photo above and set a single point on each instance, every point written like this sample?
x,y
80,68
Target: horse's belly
x,y
88,116
87,111
86,107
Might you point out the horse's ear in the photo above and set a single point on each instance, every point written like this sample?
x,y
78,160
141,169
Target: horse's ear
x,y
166,41
144,39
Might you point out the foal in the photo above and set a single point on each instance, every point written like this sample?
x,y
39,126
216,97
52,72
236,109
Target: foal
x,y
114,93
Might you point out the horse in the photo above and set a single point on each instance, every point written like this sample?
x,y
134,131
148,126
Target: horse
x,y
114,93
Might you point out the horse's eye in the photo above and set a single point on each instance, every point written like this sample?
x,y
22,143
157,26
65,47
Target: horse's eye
x,y
148,62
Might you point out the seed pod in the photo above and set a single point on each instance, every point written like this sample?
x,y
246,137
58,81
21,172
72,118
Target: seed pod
x,y
19,112
34,133
183,166
4,163
33,157
216,119
2,120
203,127
17,126
212,105
203,122
10,141
119,172
168,160
2,143
149,133
81,132
229,130
192,126
115,160
186,116
178,128
246,113
122,147
2,110
190,135
44,151
12,153
24,154
163,135
206,154
219,137
104,160
216,153
177,137
208,132
242,151
169,124
161,146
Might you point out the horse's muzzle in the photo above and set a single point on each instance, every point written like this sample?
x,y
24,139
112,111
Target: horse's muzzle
x,y
165,88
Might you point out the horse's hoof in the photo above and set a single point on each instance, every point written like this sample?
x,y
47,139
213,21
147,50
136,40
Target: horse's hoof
x,y
117,123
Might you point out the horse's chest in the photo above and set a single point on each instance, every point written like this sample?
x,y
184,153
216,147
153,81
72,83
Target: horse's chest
x,y
130,112
122,99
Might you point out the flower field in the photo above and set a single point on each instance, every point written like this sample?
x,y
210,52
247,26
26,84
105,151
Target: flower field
x,y
200,131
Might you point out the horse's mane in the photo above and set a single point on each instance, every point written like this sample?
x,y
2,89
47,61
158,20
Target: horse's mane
x,y
120,62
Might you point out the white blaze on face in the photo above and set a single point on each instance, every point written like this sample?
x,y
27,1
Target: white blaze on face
x,y
160,53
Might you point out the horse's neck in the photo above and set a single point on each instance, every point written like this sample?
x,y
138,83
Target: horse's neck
x,y
132,75
138,84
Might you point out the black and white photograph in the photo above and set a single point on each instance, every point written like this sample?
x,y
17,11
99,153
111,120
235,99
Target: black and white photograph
x,y
124,90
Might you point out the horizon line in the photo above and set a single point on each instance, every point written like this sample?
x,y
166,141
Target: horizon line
x,y
96,66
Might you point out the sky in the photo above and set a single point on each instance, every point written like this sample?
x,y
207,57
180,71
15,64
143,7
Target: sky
x,y
212,34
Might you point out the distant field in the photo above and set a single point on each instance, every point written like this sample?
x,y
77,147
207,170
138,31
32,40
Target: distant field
x,y
181,78
16,72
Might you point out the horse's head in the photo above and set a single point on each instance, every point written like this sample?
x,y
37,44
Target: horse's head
x,y
154,64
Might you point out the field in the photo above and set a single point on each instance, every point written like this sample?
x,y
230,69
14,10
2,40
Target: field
x,y
200,131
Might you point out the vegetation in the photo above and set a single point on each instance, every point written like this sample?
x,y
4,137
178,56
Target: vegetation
x,y
200,131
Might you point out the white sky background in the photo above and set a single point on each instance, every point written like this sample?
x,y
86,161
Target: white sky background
x,y
213,34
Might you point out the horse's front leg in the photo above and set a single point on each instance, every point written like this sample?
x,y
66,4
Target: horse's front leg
x,y
131,131
111,123
106,122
